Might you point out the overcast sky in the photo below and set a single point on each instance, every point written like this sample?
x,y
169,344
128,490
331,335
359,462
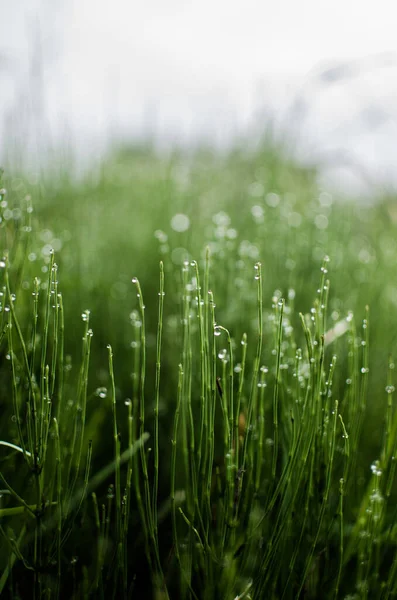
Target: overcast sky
x,y
180,69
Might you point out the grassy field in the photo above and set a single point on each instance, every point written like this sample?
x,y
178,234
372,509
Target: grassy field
x,y
197,382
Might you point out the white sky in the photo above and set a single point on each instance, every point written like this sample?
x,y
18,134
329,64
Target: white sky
x,y
250,35
180,68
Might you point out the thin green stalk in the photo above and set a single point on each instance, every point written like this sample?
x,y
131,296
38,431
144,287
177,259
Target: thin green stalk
x,y
365,365
125,457
14,547
12,559
116,445
127,499
347,448
390,591
325,499
15,403
46,415
390,444
17,496
257,360
187,426
135,427
157,398
190,525
61,362
230,442
239,415
206,467
261,429
33,411
80,417
211,434
187,429
78,499
103,545
341,537
55,306
59,505
173,463
276,390
98,536
44,345
203,370
147,504
32,425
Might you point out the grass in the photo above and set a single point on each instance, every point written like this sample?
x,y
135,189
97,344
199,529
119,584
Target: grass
x,y
220,423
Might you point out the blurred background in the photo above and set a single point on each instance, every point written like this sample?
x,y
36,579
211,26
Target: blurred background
x,y
79,76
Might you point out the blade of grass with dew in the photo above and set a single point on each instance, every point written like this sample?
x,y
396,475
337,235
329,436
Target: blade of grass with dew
x,y
157,399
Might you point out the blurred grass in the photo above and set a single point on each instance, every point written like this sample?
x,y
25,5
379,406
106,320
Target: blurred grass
x,y
246,207
274,212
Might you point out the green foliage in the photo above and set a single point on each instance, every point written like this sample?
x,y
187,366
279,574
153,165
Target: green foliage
x,y
163,445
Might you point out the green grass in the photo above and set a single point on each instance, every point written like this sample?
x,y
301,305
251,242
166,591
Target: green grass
x,y
220,423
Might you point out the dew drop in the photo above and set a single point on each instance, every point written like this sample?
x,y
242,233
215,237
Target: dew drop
x,y
180,222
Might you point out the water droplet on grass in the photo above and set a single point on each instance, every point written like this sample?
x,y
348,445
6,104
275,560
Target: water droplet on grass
x,y
375,468
161,236
272,199
257,212
221,219
180,222
291,294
